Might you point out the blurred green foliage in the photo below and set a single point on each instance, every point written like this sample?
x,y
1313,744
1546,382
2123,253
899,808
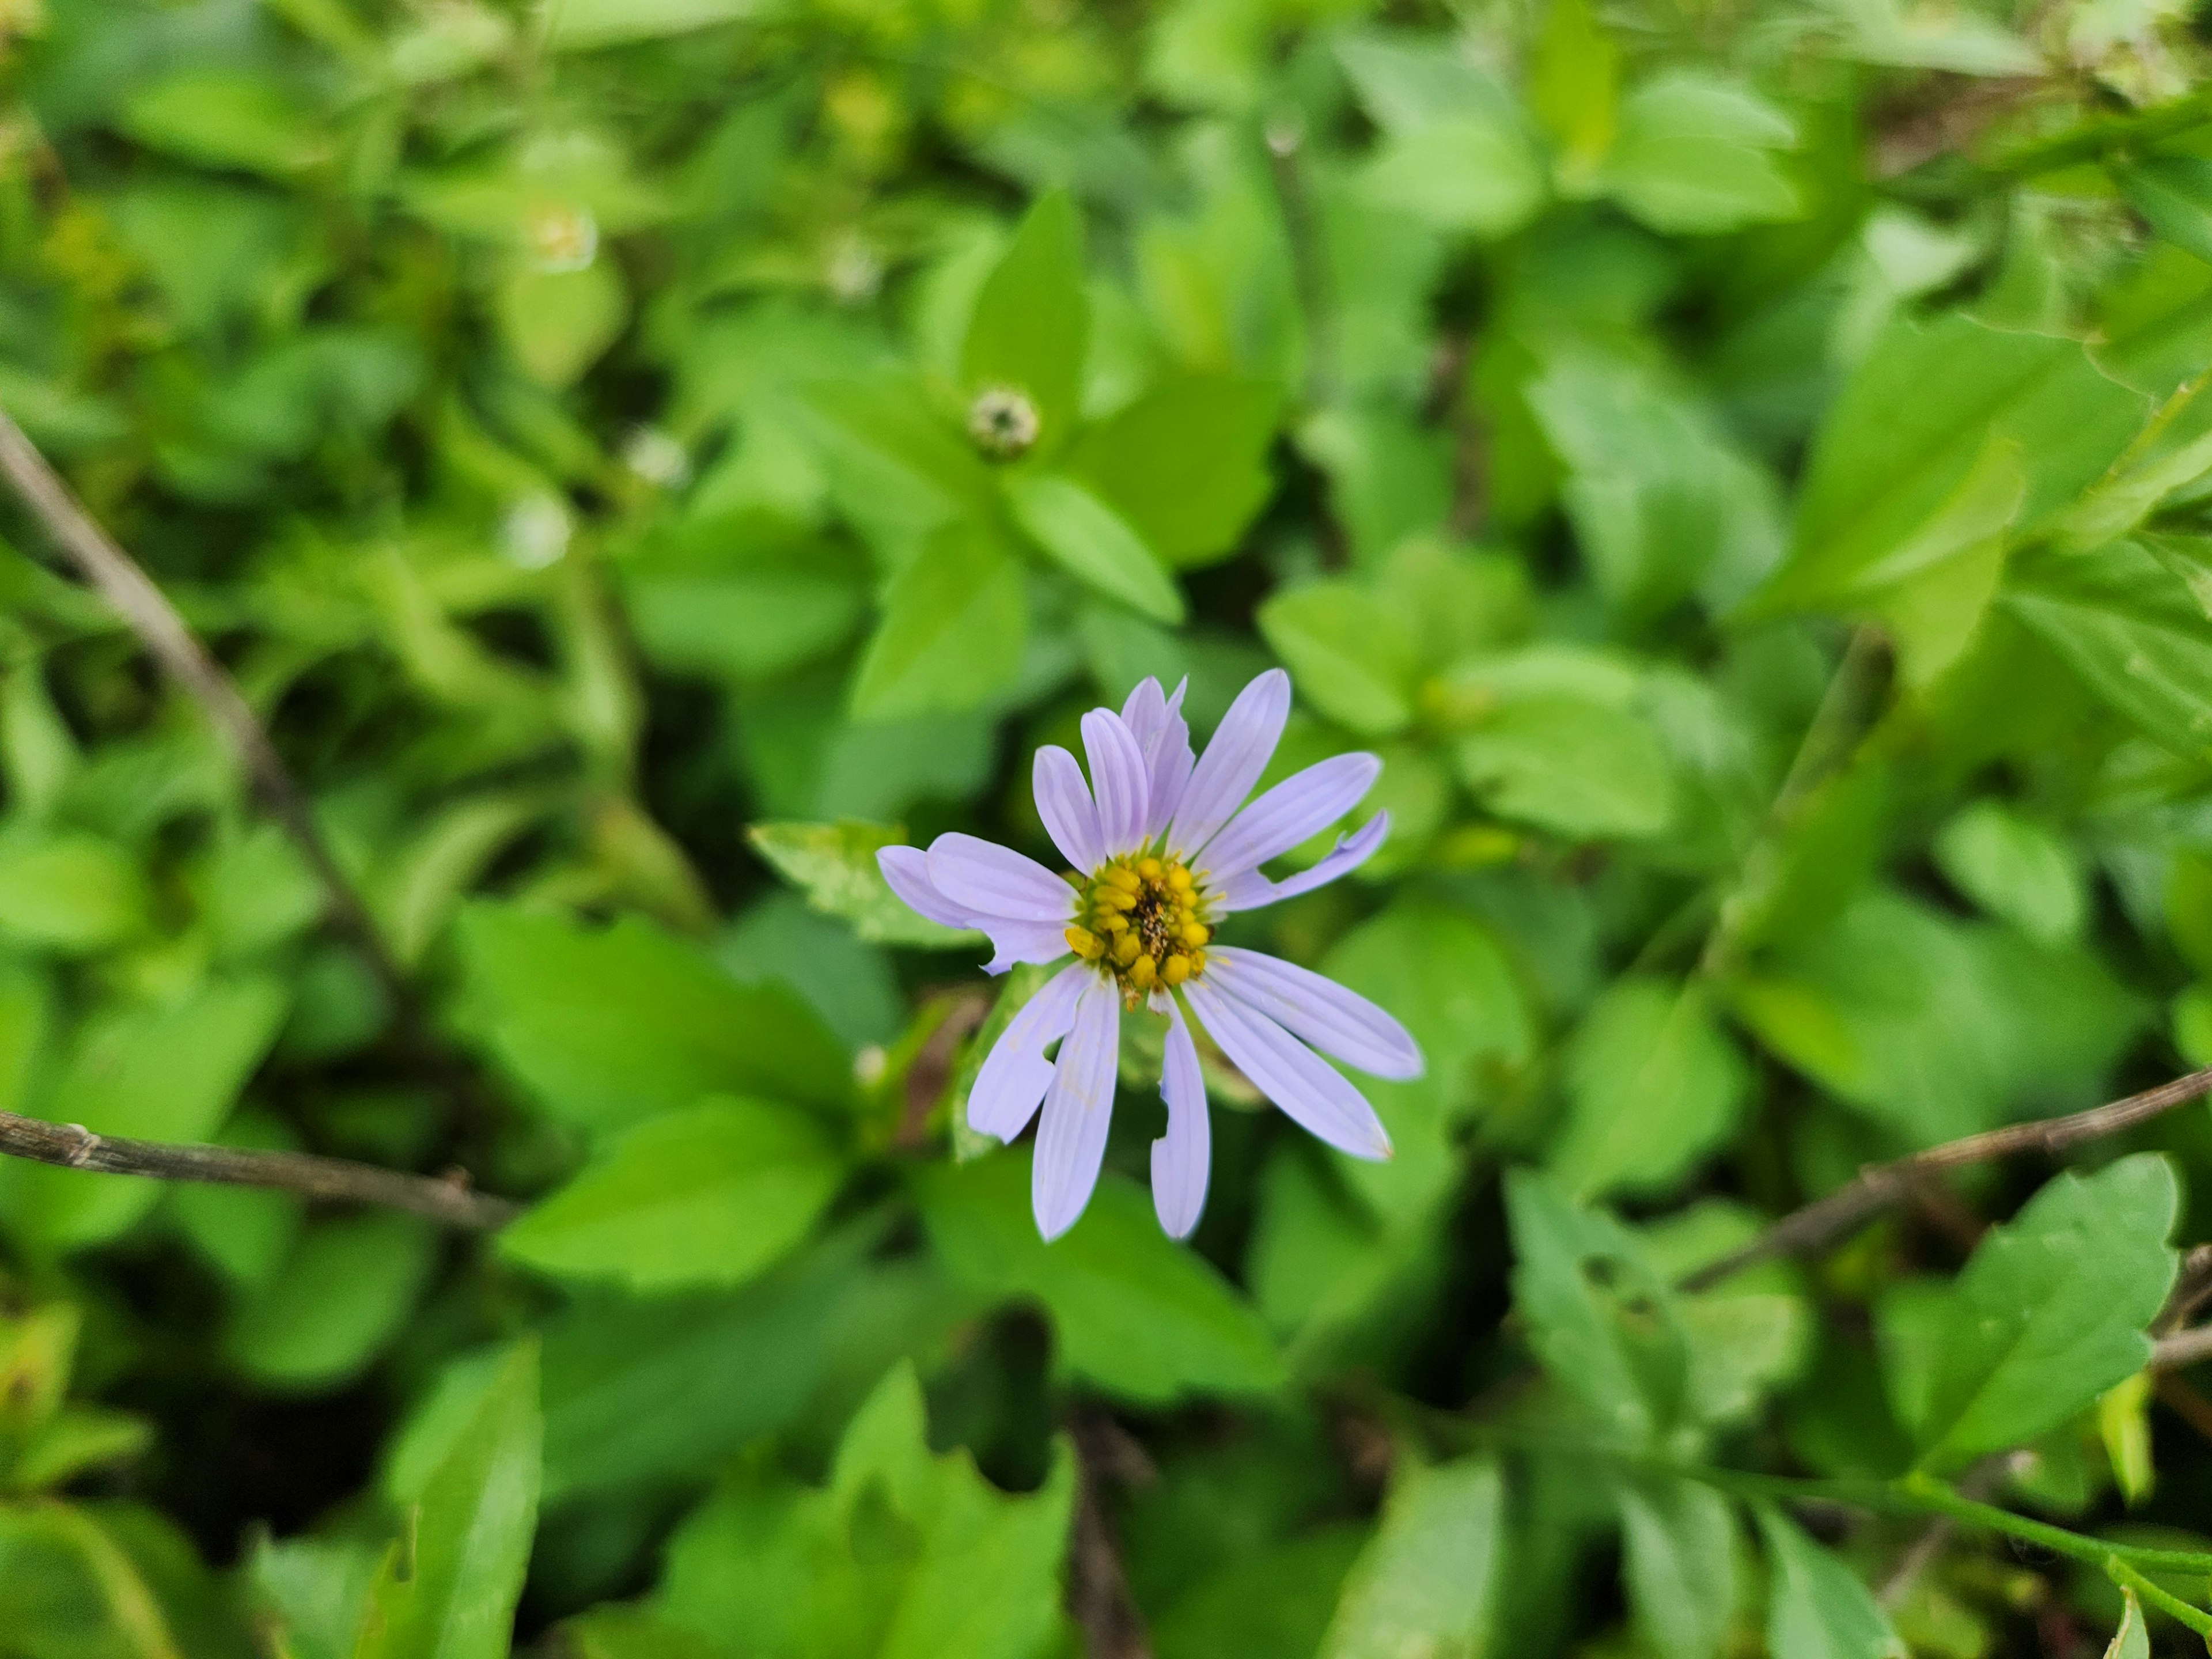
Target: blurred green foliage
x,y
1746,469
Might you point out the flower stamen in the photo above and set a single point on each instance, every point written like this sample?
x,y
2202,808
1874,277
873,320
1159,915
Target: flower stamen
x,y
1139,919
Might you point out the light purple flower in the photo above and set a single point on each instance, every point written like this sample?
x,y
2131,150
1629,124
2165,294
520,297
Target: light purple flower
x,y
1162,846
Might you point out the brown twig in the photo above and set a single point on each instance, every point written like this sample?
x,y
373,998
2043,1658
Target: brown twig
x,y
146,610
1826,1220
72,1146
1098,1588
2183,1348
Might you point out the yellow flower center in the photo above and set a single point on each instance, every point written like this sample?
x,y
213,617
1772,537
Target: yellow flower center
x,y
1142,920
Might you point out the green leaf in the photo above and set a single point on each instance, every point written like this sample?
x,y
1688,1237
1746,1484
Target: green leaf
x,y
347,1288
1476,174
743,596
1092,542
1816,1606
1272,1602
1132,1312
558,323
835,865
449,1588
705,1197
1032,327
1602,1322
953,627
1655,1085
1946,434
1425,1582
1574,88
2015,868
1185,464
2174,192
226,118
902,1555
1679,1564
900,468
2049,1313
2132,1640
1933,36
609,1026
2132,628
1351,657
156,1073
1693,155
1577,767
582,25
69,892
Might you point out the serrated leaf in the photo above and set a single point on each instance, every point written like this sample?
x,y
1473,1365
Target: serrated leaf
x,y
835,865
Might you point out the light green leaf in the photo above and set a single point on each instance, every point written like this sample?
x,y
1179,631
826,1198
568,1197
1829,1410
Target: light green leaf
x,y
705,1197
1679,1563
2132,1640
1349,656
2015,868
1692,155
1425,1582
608,1026
226,118
1031,326
1133,1311
1186,463
1936,34
2048,1313
953,627
1575,767
69,892
449,1588
581,25
1816,1606
1092,542
1476,174
1602,1322
835,865
558,323
1655,1085
2132,628
901,468
2174,192
347,1288
741,596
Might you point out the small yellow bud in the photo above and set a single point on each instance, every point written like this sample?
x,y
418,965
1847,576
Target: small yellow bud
x,y
1113,921
1150,869
1085,943
1179,878
1126,948
1121,876
1196,933
1142,973
1176,969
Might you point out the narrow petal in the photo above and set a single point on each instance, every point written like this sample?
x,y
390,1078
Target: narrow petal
x,y
907,869
1063,801
1233,761
1311,1091
1318,1010
1182,1157
1145,711
1015,941
1077,1109
990,880
1250,890
1304,804
1168,754
1015,1073
1118,778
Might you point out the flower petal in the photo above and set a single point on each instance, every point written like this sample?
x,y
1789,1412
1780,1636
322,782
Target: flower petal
x,y
1161,732
1318,1010
1077,1109
1015,941
1015,1073
1310,1091
1303,804
907,869
1232,762
1063,801
1250,890
1182,1157
990,880
1119,778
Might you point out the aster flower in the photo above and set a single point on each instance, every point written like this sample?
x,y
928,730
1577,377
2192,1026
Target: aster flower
x,y
1162,846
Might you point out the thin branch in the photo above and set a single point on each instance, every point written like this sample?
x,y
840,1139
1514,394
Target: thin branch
x,y
2191,1285
146,610
1098,1595
2183,1348
1826,1220
72,1146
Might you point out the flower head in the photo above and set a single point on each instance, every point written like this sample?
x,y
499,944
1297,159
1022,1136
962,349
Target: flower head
x,y
1162,846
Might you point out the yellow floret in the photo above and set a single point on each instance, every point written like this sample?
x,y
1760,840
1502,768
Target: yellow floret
x,y
1196,933
1179,878
1113,921
1150,869
1142,973
1085,943
1176,969
1121,876
1127,948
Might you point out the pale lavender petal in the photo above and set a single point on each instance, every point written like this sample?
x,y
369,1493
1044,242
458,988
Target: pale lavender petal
x,y
1145,711
1078,1107
1310,1091
1233,761
1318,1010
1168,754
1251,890
991,880
1015,1073
1118,778
907,869
1303,804
1182,1157
1063,801
1021,941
